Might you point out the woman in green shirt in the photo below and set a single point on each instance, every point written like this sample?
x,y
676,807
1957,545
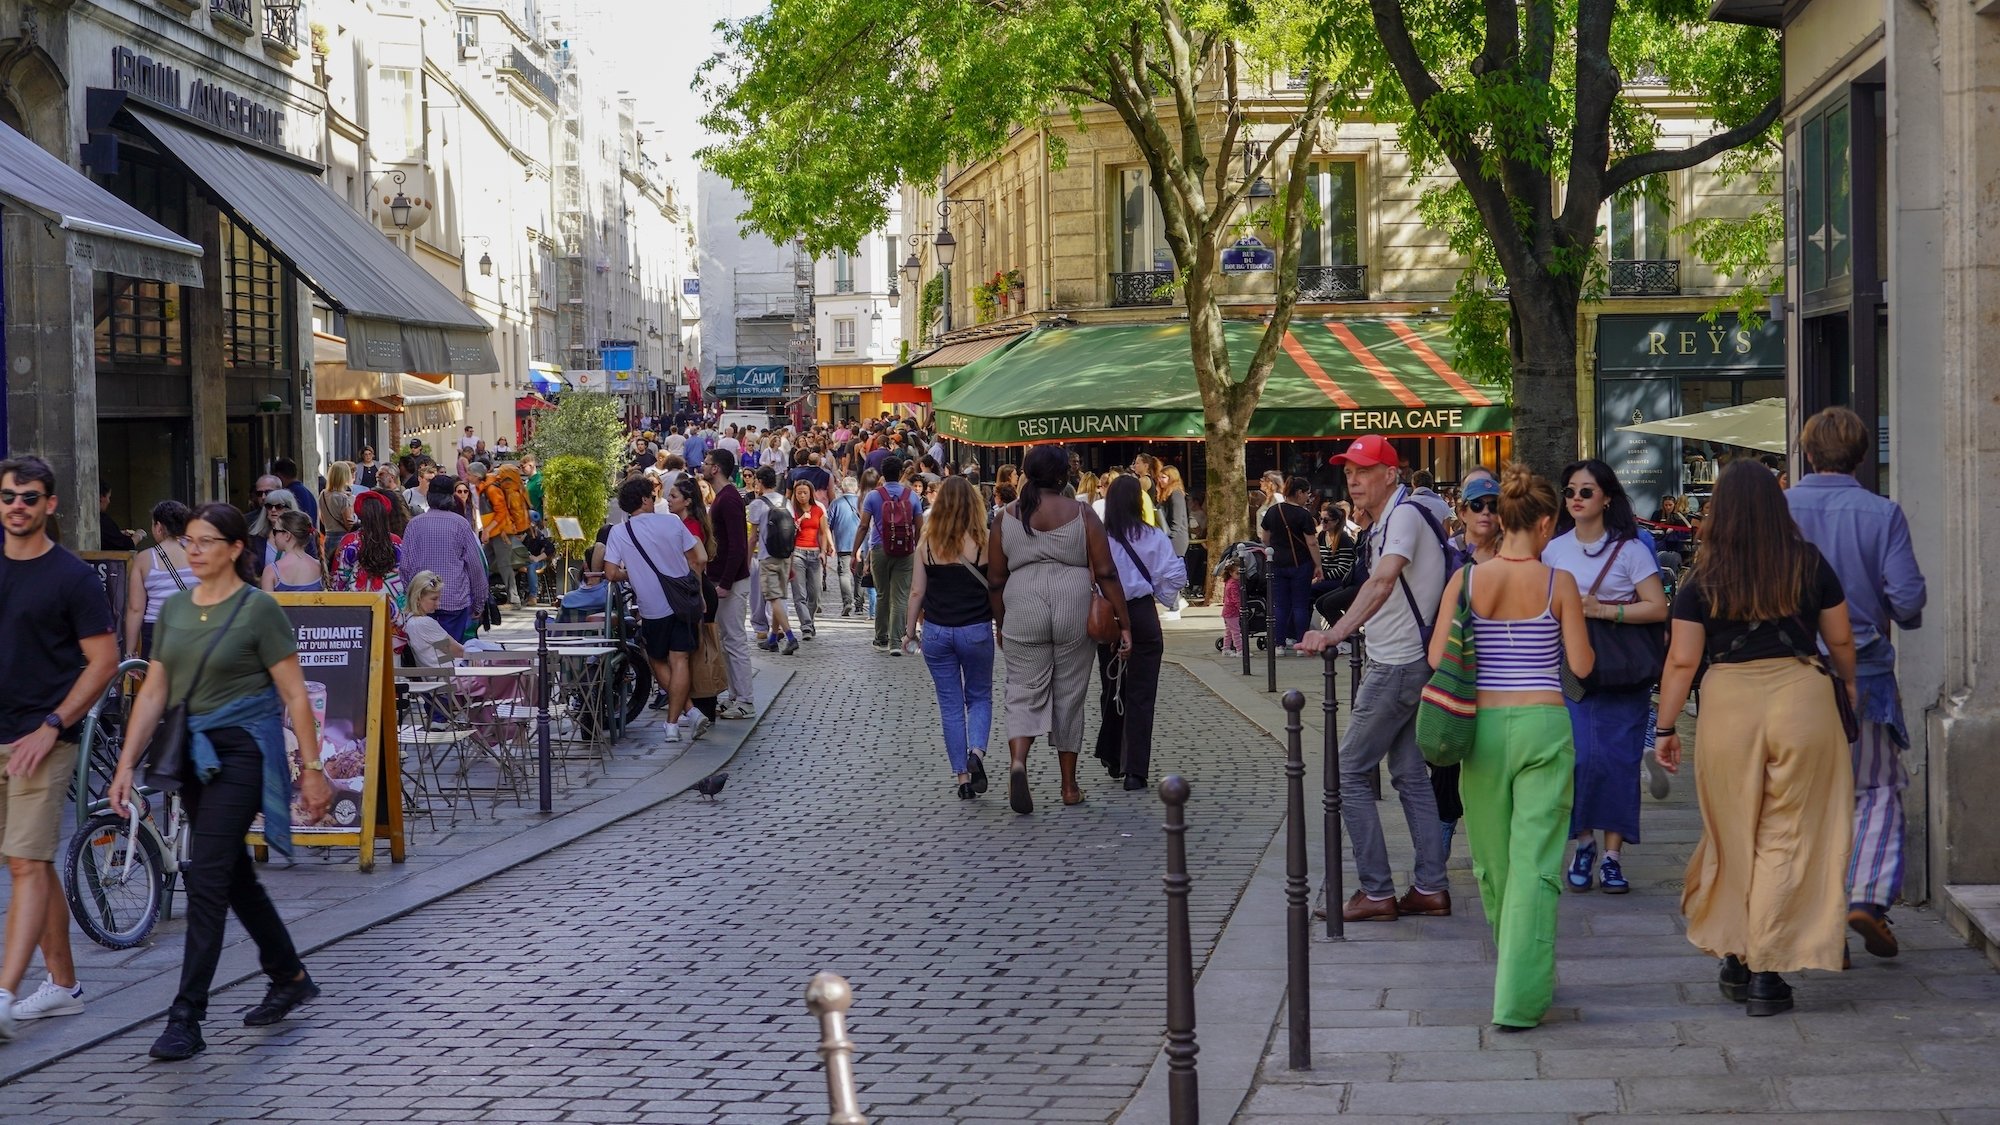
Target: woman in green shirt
x,y
228,650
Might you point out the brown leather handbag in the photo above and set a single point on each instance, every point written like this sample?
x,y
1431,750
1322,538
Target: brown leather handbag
x,y
1103,626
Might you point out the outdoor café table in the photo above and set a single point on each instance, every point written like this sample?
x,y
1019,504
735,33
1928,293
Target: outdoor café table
x,y
572,676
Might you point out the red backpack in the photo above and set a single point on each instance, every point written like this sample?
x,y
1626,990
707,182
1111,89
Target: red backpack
x,y
899,524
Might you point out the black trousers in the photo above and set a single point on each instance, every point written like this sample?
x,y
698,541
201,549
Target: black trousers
x,y
220,877
1125,734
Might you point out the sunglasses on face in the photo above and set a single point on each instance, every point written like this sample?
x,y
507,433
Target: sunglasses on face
x,y
1483,504
274,507
29,498
1584,493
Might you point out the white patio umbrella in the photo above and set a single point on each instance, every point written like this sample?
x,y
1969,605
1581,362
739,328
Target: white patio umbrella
x,y
1754,425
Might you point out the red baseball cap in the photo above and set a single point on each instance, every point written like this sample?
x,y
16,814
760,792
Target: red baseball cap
x,y
1368,451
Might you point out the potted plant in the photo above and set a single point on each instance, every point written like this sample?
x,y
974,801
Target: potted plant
x,y
1017,288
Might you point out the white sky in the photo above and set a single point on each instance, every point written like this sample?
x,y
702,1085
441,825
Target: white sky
x,y
656,48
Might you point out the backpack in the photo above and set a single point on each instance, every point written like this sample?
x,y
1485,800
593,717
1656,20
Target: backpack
x,y
781,532
1456,558
899,524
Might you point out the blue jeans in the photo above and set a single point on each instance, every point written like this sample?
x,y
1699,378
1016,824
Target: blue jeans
x,y
961,663
1291,602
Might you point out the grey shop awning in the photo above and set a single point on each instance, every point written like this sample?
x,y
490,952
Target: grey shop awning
x,y
399,318
106,233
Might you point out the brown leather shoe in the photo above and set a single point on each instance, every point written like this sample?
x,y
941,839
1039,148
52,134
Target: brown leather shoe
x,y
1436,904
1876,936
1361,908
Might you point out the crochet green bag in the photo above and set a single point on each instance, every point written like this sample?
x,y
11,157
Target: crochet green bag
x,y
1449,708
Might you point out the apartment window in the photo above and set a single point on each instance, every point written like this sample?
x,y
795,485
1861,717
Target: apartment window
x,y
397,131
1637,225
1826,252
1142,229
253,301
843,334
843,272
468,36
1336,241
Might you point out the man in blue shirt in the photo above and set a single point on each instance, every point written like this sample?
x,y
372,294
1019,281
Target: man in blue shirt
x,y
696,449
287,471
1866,540
843,519
892,571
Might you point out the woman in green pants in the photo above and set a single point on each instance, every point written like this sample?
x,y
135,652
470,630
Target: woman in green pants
x,y
1518,782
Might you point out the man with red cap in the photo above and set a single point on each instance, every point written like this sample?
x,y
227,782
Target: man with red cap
x,y
1399,604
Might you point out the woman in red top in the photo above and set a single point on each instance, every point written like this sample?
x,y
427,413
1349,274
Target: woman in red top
x,y
809,558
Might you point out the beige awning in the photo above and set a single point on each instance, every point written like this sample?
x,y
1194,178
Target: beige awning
x,y
1754,425
339,389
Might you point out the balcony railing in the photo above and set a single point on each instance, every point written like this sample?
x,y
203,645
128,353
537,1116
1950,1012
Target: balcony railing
x,y
1333,283
1645,277
236,11
519,62
1149,288
843,285
281,27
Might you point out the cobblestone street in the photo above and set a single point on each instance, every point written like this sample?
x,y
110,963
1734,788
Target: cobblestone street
x,y
1004,967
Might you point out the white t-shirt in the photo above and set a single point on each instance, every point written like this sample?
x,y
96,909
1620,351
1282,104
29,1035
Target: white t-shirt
x,y
1634,565
675,443
732,445
427,642
1393,637
666,541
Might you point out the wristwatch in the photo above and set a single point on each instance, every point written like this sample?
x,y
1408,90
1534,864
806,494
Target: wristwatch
x,y
1665,732
54,721
321,766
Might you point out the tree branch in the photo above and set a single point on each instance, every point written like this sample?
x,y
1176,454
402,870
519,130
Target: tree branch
x,y
1590,141
1641,165
1232,121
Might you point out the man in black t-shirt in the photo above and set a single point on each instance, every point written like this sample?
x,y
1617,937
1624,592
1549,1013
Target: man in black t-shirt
x,y
59,655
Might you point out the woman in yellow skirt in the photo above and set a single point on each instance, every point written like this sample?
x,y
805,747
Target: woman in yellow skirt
x,y
1766,886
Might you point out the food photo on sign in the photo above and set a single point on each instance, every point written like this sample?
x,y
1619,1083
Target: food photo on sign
x,y
335,646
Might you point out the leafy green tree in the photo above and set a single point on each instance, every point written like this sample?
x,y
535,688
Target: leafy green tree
x,y
1522,99
588,426
825,107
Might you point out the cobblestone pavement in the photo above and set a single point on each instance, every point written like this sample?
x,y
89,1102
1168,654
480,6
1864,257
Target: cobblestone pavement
x,y
1004,967
1401,1016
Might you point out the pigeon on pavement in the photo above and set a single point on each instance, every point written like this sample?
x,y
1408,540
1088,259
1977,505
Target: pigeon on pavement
x,y
709,786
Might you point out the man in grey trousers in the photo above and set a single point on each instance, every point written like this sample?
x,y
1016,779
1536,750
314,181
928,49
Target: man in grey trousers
x,y
1398,604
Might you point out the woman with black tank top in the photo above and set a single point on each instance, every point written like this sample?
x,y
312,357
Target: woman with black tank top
x,y
948,594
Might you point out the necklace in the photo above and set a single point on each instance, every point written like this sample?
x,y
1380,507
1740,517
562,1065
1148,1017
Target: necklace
x,y
1601,544
204,611
1510,558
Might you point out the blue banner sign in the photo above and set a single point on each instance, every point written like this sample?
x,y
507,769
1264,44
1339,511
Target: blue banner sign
x,y
749,380
1249,255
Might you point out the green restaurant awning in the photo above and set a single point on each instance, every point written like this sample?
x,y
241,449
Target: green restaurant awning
x,y
926,375
1114,382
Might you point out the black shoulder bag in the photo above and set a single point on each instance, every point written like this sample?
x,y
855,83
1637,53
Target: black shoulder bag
x,y
683,593
167,753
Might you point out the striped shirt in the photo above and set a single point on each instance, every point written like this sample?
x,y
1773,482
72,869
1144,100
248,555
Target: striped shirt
x,y
1518,655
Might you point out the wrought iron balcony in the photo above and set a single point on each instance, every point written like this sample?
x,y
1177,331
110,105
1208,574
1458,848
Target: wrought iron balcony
x,y
281,27
536,78
236,11
1645,277
1333,283
843,285
1148,288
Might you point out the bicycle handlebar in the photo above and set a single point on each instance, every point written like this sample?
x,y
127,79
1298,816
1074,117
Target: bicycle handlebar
x,y
80,791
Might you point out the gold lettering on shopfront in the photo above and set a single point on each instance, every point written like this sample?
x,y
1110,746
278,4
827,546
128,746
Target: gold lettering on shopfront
x,y
1656,343
1687,343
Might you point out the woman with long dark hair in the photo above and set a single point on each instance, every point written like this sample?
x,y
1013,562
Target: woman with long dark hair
x,y
1598,542
948,595
1152,575
1767,884
369,559
1045,551
227,650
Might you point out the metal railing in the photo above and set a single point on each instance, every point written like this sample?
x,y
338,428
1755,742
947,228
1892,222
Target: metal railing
x,y
1333,283
1148,288
281,26
843,285
1645,277
237,10
519,62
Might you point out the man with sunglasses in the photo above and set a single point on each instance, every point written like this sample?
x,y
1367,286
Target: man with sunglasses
x,y
59,656
1405,554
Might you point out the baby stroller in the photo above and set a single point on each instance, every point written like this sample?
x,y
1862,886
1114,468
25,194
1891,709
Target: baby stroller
x,y
1253,571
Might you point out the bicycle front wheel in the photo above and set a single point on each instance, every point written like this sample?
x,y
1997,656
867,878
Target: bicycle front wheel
x,y
116,885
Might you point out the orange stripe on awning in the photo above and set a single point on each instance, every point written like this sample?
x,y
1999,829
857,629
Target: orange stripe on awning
x,y
1437,364
1373,365
1318,374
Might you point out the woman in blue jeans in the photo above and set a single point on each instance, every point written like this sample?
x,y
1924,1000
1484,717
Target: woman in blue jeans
x,y
948,595
1290,530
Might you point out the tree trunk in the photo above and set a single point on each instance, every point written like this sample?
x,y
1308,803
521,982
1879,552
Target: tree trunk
x,y
1544,346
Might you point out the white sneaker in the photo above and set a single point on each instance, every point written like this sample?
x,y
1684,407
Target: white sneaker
x,y
673,732
51,999
6,1015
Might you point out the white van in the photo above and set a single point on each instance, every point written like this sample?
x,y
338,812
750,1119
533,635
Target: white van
x,y
742,418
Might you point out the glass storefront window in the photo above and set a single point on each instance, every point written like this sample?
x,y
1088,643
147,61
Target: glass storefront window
x,y
253,301
138,321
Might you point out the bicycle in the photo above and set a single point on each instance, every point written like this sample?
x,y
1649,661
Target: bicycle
x,y
119,872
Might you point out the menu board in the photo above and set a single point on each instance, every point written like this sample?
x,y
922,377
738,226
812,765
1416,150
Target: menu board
x,y
346,655
114,569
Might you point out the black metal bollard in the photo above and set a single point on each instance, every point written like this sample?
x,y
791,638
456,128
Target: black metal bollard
x,y
1298,919
542,763
1329,798
1183,1094
1271,656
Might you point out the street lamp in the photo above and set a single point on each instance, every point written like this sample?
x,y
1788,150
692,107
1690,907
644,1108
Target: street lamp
x,y
400,206
1260,188
947,247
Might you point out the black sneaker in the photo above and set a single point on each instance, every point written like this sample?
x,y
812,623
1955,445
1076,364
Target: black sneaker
x,y
181,1040
279,1000
659,701
791,644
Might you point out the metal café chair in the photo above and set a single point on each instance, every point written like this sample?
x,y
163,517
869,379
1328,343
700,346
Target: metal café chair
x,y
502,713
431,723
